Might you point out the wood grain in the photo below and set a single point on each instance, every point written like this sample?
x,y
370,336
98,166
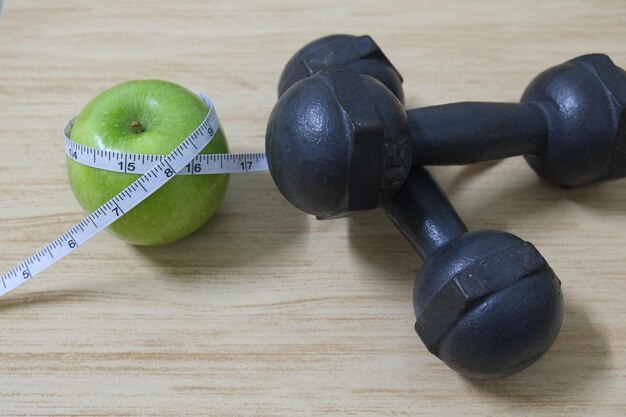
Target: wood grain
x,y
265,311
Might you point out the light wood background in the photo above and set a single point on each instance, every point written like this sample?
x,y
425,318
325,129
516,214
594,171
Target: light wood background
x,y
265,311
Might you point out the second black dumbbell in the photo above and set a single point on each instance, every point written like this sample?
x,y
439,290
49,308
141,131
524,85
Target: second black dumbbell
x,y
339,141
486,302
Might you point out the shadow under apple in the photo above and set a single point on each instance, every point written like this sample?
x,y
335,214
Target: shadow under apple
x,y
253,222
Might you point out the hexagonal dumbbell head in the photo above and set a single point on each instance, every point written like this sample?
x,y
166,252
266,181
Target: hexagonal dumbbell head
x,y
584,101
359,53
338,143
486,302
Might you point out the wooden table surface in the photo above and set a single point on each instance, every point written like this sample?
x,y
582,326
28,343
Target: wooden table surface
x,y
266,311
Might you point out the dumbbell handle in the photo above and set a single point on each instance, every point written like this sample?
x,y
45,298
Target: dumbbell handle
x,y
471,132
423,213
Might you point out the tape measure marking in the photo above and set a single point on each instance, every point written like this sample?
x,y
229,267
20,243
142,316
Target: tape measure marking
x,y
132,163
162,170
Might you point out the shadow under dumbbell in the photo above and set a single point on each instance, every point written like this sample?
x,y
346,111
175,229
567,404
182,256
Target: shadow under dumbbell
x,y
529,196
605,197
467,173
579,359
377,244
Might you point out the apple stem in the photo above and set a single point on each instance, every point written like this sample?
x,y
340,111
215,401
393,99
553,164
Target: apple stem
x,y
137,127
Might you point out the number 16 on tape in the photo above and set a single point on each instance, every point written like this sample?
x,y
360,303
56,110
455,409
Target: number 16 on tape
x,y
156,170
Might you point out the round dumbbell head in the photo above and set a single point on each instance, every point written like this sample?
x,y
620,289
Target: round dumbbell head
x,y
585,102
338,142
487,304
357,52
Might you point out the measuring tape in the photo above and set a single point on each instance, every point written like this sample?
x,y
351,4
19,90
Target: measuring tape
x,y
127,163
156,170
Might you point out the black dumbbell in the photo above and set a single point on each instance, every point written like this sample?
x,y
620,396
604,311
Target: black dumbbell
x,y
360,53
486,302
473,333
339,142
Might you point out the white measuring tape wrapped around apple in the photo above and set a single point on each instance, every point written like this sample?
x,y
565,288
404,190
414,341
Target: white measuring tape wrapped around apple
x,y
155,170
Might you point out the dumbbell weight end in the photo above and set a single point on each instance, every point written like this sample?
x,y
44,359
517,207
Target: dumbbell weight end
x,y
486,302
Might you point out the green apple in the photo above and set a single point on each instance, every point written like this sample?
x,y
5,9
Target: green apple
x,y
148,117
